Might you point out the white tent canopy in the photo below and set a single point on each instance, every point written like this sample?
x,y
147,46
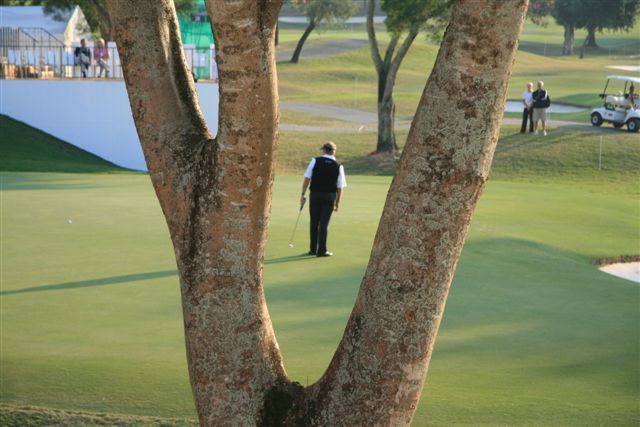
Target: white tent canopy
x,y
69,30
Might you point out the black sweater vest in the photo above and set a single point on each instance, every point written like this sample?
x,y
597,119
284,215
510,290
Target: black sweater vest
x,y
325,175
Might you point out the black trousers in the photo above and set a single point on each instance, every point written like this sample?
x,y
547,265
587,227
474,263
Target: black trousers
x,y
320,210
527,114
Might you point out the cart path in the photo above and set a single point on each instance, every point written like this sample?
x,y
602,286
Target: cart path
x,y
365,121
322,50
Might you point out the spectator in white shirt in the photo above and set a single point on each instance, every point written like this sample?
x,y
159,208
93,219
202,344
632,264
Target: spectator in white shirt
x,y
527,112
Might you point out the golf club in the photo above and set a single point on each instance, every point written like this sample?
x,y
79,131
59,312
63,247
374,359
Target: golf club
x,y
293,233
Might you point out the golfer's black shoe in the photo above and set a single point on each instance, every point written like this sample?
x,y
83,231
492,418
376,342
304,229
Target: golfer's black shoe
x,y
311,253
325,254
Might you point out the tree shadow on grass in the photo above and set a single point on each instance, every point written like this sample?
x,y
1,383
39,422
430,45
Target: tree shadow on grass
x,y
113,280
291,258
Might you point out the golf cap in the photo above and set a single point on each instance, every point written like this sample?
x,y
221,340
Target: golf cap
x,y
329,146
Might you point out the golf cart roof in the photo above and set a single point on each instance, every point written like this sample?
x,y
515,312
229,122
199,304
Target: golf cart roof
x,y
625,78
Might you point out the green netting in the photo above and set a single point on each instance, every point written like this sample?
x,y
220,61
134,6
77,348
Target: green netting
x,y
195,29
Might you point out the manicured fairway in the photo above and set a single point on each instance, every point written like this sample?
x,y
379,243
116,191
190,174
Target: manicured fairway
x,y
532,335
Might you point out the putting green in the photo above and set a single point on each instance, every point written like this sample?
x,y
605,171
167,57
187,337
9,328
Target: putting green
x,y
532,335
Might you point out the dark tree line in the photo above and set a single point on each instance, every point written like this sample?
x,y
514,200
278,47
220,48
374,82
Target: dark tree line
x,y
590,15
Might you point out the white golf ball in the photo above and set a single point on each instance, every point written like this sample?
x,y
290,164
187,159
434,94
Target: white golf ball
x,y
290,245
69,221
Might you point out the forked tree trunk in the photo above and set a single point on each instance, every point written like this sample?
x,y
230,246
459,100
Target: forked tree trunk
x,y
215,195
569,39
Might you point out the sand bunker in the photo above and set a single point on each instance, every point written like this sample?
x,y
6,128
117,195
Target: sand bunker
x,y
625,270
633,68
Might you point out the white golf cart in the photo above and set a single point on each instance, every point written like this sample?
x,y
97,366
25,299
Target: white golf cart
x,y
618,109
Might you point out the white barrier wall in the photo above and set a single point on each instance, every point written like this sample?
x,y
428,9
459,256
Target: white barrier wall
x,y
91,114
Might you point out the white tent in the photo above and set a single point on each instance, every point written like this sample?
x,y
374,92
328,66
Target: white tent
x,y
69,30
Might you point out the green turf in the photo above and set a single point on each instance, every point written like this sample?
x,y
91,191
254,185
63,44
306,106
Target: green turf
x,y
533,333
30,416
565,155
23,148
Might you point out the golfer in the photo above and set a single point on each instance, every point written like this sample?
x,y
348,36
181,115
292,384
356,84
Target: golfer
x,y
327,180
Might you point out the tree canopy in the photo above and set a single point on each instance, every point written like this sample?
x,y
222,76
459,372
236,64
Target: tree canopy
x,y
592,15
599,15
402,15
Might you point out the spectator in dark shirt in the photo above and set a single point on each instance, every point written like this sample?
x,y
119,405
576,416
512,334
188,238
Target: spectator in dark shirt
x,y
82,56
541,102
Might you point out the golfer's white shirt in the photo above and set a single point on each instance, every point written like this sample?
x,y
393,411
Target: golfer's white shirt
x,y
527,97
342,181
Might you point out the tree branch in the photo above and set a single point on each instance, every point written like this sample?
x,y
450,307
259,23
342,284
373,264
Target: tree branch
x,y
215,194
161,91
373,42
391,47
397,61
378,371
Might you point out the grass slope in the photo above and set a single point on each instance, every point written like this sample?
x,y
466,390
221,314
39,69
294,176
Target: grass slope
x,y
28,416
566,155
24,148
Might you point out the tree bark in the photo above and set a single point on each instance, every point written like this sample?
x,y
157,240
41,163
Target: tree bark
x,y
569,39
591,38
386,126
378,371
296,53
215,195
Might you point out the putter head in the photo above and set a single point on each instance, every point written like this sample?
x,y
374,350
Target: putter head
x,y
290,245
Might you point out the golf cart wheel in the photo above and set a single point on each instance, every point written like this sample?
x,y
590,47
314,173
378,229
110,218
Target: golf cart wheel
x,y
617,125
633,125
596,119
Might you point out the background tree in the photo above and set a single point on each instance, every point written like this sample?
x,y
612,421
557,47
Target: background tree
x,y
95,11
539,10
403,18
215,194
318,12
568,14
599,15
592,15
